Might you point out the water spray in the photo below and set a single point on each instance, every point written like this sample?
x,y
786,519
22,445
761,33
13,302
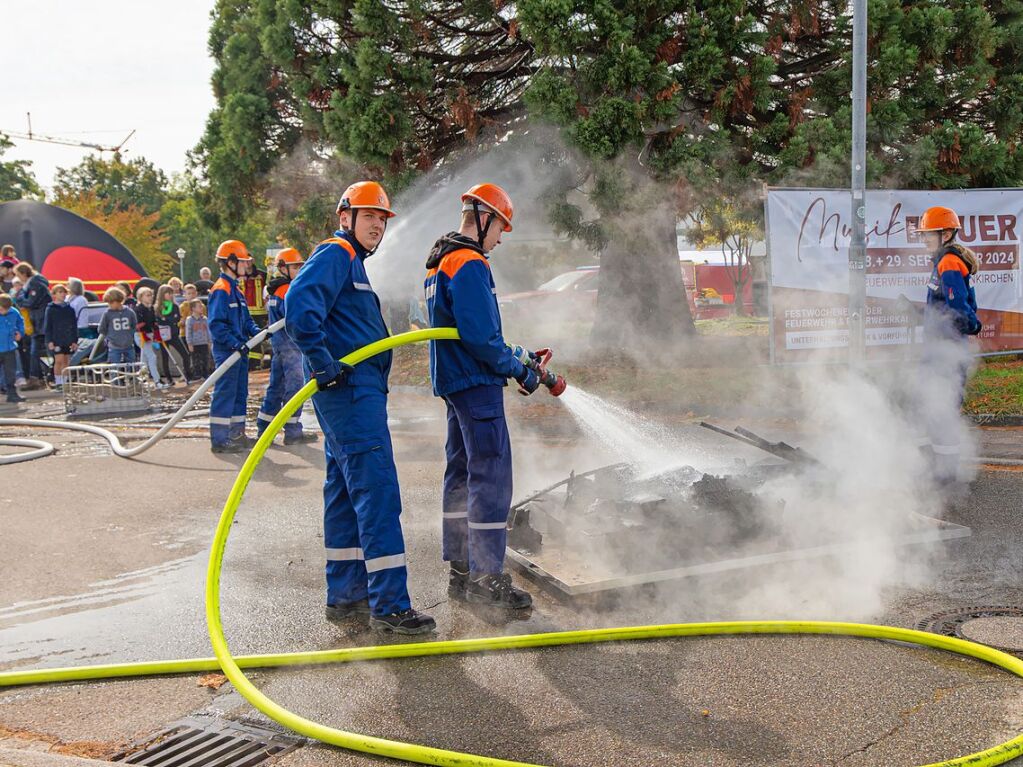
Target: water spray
x,y
411,752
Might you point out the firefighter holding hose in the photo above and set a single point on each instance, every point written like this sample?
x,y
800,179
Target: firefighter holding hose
x,y
330,311
286,376
231,326
470,375
950,318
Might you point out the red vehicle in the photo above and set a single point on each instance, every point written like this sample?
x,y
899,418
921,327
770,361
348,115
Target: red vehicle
x,y
573,295
570,295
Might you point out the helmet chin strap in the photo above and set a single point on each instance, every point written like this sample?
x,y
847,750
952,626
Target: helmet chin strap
x,y
481,231
232,265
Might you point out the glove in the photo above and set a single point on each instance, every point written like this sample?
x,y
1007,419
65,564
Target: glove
x,y
243,350
523,355
529,382
326,382
968,326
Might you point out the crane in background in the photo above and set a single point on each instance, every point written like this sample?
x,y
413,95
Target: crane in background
x,y
30,136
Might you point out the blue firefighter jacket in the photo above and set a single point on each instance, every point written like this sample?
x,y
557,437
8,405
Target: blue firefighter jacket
x,y
331,310
10,324
34,296
951,307
231,325
278,290
460,293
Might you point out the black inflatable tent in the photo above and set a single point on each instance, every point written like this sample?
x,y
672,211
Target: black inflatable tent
x,y
61,244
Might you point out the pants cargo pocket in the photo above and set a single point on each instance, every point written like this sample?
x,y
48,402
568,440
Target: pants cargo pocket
x,y
488,429
367,466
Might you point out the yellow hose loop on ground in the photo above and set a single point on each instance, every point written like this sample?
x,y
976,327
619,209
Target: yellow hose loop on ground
x,y
427,755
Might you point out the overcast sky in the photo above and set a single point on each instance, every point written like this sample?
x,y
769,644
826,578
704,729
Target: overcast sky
x,y
92,66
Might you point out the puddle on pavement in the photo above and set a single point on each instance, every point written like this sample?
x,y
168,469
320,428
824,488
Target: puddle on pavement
x,y
119,619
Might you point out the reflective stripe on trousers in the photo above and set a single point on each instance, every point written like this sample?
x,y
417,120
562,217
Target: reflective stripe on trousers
x,y
286,378
477,480
362,504
230,394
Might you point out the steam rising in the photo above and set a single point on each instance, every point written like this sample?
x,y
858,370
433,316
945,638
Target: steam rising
x,y
872,487
865,427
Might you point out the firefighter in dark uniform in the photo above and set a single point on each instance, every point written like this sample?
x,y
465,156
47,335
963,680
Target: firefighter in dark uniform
x,y
331,310
230,327
286,376
470,374
950,318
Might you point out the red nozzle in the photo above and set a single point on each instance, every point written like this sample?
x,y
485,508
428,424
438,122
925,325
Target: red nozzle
x,y
560,384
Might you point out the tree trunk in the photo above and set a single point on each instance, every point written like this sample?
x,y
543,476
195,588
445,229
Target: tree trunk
x,y
641,302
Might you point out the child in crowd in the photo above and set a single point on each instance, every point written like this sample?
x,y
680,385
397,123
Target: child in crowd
x,y
185,308
129,297
117,326
191,293
177,290
24,345
149,339
168,319
197,334
60,326
12,328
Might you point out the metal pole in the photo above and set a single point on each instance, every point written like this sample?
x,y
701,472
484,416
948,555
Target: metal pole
x,y
857,244
181,263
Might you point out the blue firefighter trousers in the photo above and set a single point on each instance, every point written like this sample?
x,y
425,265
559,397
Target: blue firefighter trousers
x,y
286,378
227,408
478,479
361,500
945,368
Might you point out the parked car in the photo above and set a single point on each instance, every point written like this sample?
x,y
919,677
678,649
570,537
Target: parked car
x,y
570,294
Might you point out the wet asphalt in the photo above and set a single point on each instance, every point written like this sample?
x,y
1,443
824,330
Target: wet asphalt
x,y
104,561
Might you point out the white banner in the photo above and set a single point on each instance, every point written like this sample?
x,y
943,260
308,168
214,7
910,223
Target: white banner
x,y
808,233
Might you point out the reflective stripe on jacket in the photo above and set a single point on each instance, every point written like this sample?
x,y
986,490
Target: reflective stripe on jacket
x,y
331,310
229,319
951,306
460,293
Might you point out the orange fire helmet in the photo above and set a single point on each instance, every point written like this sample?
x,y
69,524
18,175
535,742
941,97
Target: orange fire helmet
x,y
365,194
233,249
289,256
937,218
494,198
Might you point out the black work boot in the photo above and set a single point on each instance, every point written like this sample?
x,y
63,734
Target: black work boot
x,y
404,622
344,610
228,447
245,441
303,438
497,591
458,579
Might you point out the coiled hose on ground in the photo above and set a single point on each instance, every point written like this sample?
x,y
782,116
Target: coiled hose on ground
x,y
411,752
109,436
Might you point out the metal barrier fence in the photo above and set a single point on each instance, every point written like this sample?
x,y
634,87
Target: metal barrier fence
x,y
106,389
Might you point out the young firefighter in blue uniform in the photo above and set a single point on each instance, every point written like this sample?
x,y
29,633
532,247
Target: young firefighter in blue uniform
x,y
950,317
332,311
470,374
231,326
286,376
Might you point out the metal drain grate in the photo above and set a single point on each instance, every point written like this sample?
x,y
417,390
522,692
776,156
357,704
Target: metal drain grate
x,y
209,743
951,623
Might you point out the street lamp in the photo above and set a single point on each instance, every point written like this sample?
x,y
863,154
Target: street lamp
x,y
180,253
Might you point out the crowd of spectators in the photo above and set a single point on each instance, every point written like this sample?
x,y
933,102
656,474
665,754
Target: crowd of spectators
x,y
44,328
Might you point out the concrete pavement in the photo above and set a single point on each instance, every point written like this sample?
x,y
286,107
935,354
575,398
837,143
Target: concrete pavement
x,y
104,562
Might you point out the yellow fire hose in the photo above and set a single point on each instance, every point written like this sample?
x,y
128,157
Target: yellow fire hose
x,y
410,752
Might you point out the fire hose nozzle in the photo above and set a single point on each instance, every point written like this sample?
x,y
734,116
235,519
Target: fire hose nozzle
x,y
537,362
555,383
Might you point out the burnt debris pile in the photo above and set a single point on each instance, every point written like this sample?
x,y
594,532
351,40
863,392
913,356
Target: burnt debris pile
x,y
630,521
